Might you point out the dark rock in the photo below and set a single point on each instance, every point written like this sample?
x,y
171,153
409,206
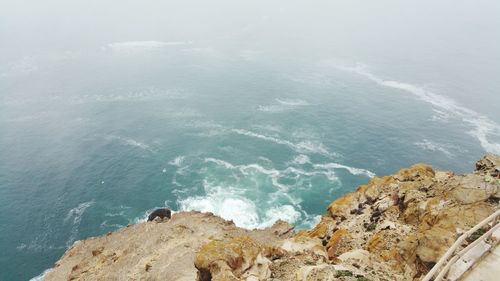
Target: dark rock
x,y
160,213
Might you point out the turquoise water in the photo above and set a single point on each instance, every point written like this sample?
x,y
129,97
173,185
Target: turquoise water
x,y
94,137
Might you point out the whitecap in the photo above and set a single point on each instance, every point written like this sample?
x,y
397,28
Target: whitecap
x,y
242,211
24,66
130,142
177,161
351,170
252,195
271,108
283,105
307,146
41,276
301,159
230,203
293,102
482,129
76,214
107,225
133,47
436,147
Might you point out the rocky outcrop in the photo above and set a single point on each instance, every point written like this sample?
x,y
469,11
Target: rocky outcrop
x,y
393,228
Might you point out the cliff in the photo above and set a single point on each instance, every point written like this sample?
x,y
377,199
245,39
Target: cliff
x,y
393,228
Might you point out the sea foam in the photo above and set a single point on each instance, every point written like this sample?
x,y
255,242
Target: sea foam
x,y
75,216
255,195
132,47
307,146
482,128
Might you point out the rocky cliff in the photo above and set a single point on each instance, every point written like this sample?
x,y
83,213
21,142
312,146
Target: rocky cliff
x,y
393,228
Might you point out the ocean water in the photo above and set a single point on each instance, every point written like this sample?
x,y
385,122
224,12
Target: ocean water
x,y
94,137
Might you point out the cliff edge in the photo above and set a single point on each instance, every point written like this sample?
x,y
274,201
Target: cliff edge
x,y
393,228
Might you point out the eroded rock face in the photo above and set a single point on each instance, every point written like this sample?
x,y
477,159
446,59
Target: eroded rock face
x,y
393,228
157,250
407,221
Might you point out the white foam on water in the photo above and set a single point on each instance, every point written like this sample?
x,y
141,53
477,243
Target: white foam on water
x,y
230,203
177,161
75,216
293,102
436,147
226,203
283,105
105,224
482,128
142,95
133,47
301,159
24,66
130,142
230,196
271,108
301,147
41,276
352,170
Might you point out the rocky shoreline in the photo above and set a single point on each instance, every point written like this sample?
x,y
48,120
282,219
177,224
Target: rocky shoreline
x,y
393,228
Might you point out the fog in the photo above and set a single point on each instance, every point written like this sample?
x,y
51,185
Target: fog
x,y
450,40
335,27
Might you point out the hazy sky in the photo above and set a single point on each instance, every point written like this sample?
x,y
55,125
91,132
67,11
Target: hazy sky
x,y
37,26
451,40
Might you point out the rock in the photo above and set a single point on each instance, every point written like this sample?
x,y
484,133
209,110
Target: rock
x,y
323,272
260,270
415,172
343,205
384,204
162,214
434,243
304,244
489,163
372,192
473,188
335,243
230,257
387,225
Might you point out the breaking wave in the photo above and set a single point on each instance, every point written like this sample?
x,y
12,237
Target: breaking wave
x,y
283,105
436,147
130,142
255,195
306,146
41,276
75,217
482,128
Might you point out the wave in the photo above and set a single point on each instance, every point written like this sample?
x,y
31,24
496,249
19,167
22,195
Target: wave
x,y
76,214
352,170
255,196
130,142
483,128
300,160
251,195
283,105
177,161
230,203
143,95
301,147
293,102
131,47
41,276
436,147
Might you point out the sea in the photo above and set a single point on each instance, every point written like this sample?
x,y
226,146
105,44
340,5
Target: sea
x,y
287,109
